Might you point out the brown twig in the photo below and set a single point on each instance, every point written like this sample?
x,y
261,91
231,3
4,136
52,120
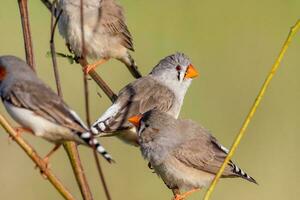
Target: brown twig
x,y
36,159
23,7
100,82
72,151
70,147
53,54
101,175
24,145
87,107
88,120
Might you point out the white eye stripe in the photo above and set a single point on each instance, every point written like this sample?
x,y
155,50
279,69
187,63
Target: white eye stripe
x,y
181,75
141,128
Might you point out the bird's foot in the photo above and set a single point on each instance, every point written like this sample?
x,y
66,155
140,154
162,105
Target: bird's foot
x,y
45,160
90,67
46,165
19,131
184,195
177,197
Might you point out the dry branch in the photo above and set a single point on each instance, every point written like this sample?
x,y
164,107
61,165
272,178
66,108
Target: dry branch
x,y
70,147
87,105
36,159
100,82
26,147
23,7
72,151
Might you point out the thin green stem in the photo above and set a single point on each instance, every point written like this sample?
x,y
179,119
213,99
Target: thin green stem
x,y
253,109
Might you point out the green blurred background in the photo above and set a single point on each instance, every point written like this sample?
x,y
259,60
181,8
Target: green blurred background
x,y
232,43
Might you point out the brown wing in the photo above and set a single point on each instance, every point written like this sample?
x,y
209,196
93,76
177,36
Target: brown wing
x,y
44,102
113,20
201,151
138,97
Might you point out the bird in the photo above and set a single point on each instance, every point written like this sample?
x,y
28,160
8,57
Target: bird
x,y
39,110
163,88
182,152
105,31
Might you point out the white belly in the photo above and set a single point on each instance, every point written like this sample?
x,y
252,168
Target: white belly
x,y
40,126
176,174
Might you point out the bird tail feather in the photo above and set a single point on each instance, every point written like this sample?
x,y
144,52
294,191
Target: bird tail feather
x,y
239,172
88,138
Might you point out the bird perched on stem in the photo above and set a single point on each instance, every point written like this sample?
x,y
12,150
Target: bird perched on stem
x,y
164,88
183,153
39,110
105,32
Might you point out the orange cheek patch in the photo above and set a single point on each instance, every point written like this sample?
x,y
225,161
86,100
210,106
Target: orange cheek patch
x,y
2,73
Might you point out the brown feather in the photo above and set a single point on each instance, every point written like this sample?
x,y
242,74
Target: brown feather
x,y
138,97
113,20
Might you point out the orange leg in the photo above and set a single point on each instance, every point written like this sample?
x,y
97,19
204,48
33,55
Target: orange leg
x,y
185,195
89,67
19,131
46,159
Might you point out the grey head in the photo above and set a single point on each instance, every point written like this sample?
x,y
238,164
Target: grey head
x,y
12,70
176,72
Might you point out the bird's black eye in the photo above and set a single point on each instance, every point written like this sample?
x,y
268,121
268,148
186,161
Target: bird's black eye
x,y
147,125
178,68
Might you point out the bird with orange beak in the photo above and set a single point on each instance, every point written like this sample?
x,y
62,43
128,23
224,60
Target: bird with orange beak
x,y
183,153
164,89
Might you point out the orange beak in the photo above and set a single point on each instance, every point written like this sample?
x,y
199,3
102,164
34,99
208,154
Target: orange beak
x,y
191,72
135,120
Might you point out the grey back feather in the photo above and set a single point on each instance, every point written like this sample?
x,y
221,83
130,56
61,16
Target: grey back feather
x,y
138,97
24,89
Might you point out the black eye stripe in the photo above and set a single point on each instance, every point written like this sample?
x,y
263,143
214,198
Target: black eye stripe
x,y
178,75
186,70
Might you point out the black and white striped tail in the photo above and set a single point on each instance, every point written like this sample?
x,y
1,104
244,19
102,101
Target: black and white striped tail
x,y
132,67
239,172
98,127
89,139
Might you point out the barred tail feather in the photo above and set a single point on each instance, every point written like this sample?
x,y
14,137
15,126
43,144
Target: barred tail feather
x,y
97,128
102,124
132,67
91,141
239,172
